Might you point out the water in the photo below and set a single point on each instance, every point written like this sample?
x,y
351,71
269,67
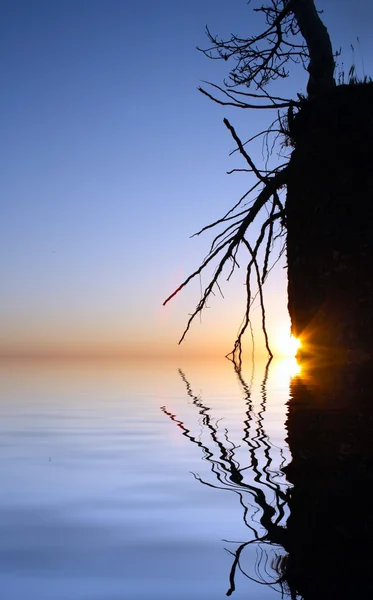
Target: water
x,y
160,480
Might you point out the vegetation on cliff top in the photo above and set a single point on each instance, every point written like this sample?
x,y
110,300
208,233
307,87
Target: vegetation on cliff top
x,y
293,33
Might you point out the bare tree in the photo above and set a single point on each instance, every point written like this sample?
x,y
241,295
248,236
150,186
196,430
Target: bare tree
x,y
293,33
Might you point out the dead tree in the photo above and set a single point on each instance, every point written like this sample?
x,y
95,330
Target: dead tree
x,y
294,33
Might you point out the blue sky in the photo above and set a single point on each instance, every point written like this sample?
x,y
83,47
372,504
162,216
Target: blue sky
x,y
111,159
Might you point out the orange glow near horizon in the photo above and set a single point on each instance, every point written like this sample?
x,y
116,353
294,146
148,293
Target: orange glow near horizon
x,y
287,344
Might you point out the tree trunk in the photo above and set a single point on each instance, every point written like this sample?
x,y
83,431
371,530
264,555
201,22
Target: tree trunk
x,y
321,66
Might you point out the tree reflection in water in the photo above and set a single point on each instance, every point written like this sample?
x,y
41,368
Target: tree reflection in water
x,y
330,527
263,500
324,549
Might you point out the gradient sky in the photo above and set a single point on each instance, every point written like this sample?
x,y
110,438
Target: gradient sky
x,y
111,159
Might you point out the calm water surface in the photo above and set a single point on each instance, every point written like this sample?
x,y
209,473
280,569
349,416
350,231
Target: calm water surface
x,y
159,480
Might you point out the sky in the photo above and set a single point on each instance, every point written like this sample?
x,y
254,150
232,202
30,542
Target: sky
x,y
111,159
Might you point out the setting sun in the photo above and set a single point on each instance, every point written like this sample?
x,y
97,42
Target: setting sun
x,y
287,344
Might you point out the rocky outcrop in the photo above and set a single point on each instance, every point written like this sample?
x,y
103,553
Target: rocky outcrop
x,y
329,212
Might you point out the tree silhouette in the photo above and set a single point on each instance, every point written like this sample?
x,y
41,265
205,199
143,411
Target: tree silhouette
x,y
293,33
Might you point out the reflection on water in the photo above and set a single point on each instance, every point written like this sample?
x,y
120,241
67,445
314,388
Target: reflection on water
x,y
330,527
98,502
258,485
313,533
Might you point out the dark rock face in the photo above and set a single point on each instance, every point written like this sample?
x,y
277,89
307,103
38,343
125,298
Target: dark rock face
x,y
329,213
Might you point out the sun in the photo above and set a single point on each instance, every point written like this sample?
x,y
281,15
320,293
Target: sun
x,y
287,344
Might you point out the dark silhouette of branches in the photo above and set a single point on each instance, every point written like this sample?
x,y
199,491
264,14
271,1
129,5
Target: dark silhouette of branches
x,y
293,33
237,103
228,246
261,58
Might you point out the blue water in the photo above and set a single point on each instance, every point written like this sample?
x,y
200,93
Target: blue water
x,y
120,480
